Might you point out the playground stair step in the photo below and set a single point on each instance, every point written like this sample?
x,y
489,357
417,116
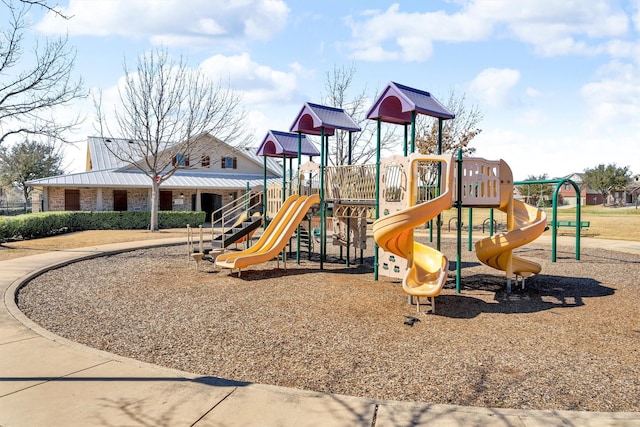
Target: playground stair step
x,y
230,236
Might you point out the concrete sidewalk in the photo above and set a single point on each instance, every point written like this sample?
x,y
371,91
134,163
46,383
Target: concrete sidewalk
x,y
46,380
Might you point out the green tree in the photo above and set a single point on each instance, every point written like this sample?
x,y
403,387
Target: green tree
x,y
456,133
605,179
536,194
32,88
29,160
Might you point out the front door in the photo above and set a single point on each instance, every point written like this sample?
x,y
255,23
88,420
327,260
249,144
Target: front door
x,y
211,203
166,200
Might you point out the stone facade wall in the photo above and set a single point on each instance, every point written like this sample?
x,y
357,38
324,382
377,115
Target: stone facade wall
x,y
56,199
137,199
88,199
185,196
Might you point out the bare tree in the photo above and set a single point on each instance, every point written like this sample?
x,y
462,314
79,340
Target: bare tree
x,y
456,133
164,108
31,91
338,87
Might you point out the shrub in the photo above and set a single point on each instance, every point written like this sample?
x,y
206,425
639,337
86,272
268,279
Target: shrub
x,y
31,226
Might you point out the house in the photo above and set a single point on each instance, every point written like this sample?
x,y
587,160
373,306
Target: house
x,y
219,175
567,194
593,197
633,191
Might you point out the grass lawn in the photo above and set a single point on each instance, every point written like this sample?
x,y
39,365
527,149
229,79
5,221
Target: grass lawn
x,y
606,222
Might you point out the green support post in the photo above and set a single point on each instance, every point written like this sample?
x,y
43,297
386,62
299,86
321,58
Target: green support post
x,y
349,160
284,190
470,225
322,203
413,131
439,217
406,140
299,192
375,246
459,231
491,222
247,201
264,195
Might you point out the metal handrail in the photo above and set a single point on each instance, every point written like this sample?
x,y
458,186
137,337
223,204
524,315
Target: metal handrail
x,y
232,210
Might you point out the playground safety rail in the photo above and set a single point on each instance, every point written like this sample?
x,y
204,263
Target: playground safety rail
x,y
230,213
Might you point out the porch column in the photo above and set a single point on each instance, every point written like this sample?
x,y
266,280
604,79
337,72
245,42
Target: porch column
x,y
198,200
99,199
149,199
45,199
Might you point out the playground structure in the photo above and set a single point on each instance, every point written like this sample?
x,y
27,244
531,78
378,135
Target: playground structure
x,y
398,194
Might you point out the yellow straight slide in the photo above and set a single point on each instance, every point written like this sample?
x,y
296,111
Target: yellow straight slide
x,y
427,267
275,237
267,235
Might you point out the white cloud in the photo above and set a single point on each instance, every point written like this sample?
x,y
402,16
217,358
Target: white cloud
x,y
392,34
551,28
171,22
554,28
532,118
492,86
258,83
615,97
545,152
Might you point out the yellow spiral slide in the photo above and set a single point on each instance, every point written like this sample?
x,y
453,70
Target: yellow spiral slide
x,y
427,267
525,224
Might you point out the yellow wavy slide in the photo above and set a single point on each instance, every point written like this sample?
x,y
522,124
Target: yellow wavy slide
x,y
274,238
525,223
427,267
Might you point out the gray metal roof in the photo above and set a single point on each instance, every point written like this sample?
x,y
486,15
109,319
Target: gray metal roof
x,y
101,157
313,117
187,179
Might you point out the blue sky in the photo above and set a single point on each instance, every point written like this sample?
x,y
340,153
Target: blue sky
x,y
558,82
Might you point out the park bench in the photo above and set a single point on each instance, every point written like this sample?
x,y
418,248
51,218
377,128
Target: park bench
x,y
584,225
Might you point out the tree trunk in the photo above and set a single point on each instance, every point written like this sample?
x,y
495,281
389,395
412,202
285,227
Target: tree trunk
x,y
155,201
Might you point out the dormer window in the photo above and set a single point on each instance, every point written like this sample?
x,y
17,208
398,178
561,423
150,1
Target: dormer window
x,y
229,163
180,160
205,162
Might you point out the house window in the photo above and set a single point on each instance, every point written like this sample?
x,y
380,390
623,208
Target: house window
x,y
566,186
71,200
180,160
205,162
229,163
119,200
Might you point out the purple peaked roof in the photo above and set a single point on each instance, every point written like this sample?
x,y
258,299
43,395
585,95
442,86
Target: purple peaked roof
x,y
397,101
313,117
277,144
